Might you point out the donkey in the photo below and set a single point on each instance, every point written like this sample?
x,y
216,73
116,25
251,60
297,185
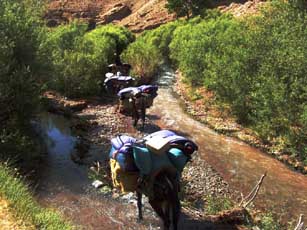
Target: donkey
x,y
163,198
138,110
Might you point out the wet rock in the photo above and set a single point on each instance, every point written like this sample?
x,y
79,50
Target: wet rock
x,y
97,184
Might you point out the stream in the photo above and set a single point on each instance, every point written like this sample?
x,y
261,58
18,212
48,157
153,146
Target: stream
x,y
64,185
283,191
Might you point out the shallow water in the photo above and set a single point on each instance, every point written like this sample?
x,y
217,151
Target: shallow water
x,y
59,171
65,185
284,191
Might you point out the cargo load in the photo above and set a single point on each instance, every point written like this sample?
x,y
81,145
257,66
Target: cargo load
x,y
161,141
131,158
115,82
122,152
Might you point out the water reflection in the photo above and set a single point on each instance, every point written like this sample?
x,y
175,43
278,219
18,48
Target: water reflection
x,y
59,171
58,135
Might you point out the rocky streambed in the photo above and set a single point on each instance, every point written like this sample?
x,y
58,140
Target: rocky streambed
x,y
94,124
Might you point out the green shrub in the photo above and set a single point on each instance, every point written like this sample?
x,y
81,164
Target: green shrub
x,y
145,59
120,35
150,50
21,71
80,59
162,36
269,223
196,44
257,66
217,204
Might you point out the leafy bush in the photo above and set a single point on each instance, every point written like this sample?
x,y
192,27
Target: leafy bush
x,y
194,45
80,59
21,33
162,36
257,66
144,58
268,223
186,7
217,204
149,51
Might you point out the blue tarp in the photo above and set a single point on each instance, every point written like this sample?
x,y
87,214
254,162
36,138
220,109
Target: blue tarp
x,y
148,162
178,158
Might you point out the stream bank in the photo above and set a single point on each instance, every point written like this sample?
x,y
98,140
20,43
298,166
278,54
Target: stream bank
x,y
200,104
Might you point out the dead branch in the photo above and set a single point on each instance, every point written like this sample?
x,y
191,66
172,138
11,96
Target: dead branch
x,y
252,195
300,224
236,215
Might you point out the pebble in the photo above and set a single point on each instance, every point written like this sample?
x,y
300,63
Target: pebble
x,y
97,184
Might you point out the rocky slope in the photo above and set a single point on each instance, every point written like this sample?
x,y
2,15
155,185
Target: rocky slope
x,y
137,15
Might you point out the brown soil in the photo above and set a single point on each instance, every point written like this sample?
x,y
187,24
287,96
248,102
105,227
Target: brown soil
x,y
201,104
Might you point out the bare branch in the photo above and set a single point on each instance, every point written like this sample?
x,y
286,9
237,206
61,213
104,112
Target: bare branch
x,y
300,224
252,195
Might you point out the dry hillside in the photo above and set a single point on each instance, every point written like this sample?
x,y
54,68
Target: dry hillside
x,y
137,15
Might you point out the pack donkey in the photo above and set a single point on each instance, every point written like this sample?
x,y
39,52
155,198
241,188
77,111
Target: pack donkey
x,y
153,170
134,101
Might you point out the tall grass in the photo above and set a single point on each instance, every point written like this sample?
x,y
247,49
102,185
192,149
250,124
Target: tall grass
x,y
23,205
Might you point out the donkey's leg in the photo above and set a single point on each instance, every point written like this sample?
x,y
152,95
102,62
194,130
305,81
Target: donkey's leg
x,y
175,211
143,115
167,211
139,204
135,114
158,207
175,201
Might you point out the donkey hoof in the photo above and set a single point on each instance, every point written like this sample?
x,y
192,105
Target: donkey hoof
x,y
139,220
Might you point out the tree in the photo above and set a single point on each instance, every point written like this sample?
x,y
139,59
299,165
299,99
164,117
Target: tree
x,y
186,7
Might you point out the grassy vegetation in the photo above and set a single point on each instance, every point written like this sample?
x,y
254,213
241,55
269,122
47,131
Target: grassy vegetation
x,y
22,204
215,205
